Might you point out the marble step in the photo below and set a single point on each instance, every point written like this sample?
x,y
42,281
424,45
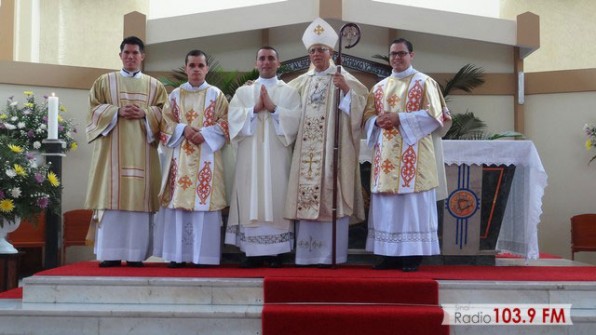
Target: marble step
x,y
17,317
582,295
143,290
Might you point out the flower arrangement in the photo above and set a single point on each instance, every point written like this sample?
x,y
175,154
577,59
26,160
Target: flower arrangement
x,y
26,188
590,131
28,123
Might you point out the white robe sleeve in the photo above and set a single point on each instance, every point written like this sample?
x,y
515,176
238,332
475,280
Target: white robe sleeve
x,y
346,103
214,137
416,125
249,127
372,132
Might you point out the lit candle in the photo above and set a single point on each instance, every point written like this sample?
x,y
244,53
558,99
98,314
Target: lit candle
x,y
53,117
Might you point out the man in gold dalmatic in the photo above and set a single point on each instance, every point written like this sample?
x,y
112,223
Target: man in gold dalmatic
x,y
404,119
311,182
194,130
123,125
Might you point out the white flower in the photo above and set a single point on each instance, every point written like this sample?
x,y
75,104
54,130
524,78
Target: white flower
x,y
21,125
36,145
14,118
11,173
27,111
15,192
9,126
14,103
42,126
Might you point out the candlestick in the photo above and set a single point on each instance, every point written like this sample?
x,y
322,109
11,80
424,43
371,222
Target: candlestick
x,y
53,117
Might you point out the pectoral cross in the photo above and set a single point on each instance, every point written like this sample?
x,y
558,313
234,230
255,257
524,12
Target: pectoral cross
x,y
310,161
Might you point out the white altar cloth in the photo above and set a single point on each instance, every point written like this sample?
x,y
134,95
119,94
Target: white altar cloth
x,y
519,229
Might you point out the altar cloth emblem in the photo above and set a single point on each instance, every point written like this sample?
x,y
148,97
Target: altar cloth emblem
x,y
462,217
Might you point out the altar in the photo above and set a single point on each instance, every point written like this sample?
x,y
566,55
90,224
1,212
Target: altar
x,y
522,207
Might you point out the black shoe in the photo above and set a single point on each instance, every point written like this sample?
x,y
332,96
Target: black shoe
x,y
176,265
109,264
274,261
324,266
134,264
251,262
411,263
388,263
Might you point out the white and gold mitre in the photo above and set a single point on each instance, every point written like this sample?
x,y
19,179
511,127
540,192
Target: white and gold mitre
x,y
319,32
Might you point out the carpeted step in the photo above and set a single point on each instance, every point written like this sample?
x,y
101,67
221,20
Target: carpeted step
x,y
350,290
354,319
15,293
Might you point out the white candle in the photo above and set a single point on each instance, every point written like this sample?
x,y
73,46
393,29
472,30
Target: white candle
x,y
53,117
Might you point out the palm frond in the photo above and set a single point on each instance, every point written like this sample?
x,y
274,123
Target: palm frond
x,y
465,126
505,134
466,79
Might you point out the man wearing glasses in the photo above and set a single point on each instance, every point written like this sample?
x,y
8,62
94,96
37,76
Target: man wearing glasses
x,y
404,118
310,188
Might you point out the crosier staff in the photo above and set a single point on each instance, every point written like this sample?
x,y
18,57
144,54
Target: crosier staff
x,y
351,33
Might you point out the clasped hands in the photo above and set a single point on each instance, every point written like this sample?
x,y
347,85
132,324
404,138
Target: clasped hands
x,y
131,112
264,102
193,135
387,121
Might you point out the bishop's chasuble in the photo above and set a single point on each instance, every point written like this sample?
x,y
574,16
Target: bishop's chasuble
x,y
311,178
264,143
124,171
193,190
406,165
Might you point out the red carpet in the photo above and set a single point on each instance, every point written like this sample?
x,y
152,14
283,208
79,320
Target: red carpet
x,y
15,293
298,319
436,272
350,290
346,305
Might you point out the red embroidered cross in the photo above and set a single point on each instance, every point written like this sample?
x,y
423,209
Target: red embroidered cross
x,y
387,166
184,182
191,115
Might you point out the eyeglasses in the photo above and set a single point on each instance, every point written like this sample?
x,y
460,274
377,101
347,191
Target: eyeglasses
x,y
398,53
321,50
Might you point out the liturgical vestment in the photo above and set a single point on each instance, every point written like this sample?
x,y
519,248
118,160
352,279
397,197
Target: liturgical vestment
x,y
407,164
311,183
188,227
124,173
264,144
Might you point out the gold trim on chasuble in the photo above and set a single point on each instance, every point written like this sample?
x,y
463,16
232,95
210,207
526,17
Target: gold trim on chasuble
x,y
313,148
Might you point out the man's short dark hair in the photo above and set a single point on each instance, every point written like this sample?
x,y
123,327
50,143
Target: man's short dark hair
x,y
406,42
266,47
133,40
196,52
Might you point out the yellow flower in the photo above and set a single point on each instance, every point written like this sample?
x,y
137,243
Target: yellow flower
x,y
3,116
74,146
28,93
588,144
6,205
29,105
20,170
62,108
15,148
53,179
60,118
